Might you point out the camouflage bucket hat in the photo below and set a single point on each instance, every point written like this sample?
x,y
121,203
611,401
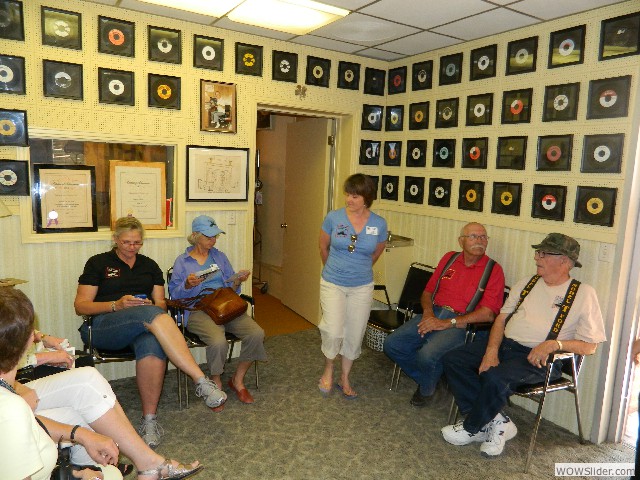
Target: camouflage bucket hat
x,y
559,243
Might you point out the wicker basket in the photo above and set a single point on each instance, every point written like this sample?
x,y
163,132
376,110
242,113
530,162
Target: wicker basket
x,y
374,338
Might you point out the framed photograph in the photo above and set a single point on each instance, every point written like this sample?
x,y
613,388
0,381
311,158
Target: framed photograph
x,y
13,128
416,153
471,195
318,72
595,205
554,153
62,80
479,109
116,86
65,198
284,66
369,152
395,118
549,202
483,62
511,153
516,106
450,69
164,91
474,152
11,20
216,174
372,117
444,152
61,28
397,80
506,198
609,97
374,81
447,113
421,75
419,116
12,76
522,55
566,47
392,154
218,107
165,44
414,190
389,190
439,192
248,59
208,52
561,102
116,37
349,75
620,36
14,178
602,153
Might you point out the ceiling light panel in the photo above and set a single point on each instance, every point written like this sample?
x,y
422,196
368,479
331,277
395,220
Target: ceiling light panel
x,y
215,8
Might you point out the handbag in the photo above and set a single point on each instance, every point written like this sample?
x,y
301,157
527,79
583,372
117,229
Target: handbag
x,y
221,304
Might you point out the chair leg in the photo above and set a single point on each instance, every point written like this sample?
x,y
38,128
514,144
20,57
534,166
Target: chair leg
x,y
255,363
575,396
534,434
179,388
395,378
453,412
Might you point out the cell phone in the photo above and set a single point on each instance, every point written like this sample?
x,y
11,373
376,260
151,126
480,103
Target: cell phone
x,y
140,295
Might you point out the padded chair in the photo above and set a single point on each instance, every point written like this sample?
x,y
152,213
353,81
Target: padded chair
x,y
383,322
102,355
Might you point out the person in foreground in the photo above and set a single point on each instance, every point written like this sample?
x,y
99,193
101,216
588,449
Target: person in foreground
x,y
453,298
483,374
80,396
351,240
124,291
184,283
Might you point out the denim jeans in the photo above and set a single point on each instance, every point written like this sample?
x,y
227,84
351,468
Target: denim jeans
x,y
421,357
482,397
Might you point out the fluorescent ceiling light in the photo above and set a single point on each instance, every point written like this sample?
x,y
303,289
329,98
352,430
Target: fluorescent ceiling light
x,y
216,8
297,17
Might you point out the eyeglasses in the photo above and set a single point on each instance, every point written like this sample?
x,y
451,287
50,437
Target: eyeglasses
x,y
126,243
352,247
542,253
474,237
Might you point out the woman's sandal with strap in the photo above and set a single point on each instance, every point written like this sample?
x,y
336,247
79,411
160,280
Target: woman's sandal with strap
x,y
167,471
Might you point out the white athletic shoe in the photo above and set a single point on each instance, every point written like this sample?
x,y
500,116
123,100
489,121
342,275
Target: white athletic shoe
x,y
457,435
498,433
150,431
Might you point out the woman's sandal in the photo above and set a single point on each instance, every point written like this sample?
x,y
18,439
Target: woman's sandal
x,y
325,388
349,395
172,472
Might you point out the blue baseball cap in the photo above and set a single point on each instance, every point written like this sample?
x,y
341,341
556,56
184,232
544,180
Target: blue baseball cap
x,y
206,226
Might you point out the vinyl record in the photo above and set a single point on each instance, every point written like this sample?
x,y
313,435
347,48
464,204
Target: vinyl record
x,y
9,129
511,153
371,117
439,192
416,153
164,91
602,153
506,198
12,75
549,202
397,80
479,110
374,80
284,66
394,118
62,80
116,37
369,152
560,102
516,106
7,76
318,72
13,128
164,45
447,113
116,87
595,205
348,75
450,70
389,187
444,153
419,116
609,97
14,178
521,56
566,47
392,153
483,62
421,75
471,195
554,153
474,152
208,53
61,28
414,190
8,178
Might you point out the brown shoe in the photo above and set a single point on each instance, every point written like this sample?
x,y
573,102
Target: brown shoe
x,y
243,395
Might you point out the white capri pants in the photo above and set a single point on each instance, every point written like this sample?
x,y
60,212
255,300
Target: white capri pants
x,y
345,312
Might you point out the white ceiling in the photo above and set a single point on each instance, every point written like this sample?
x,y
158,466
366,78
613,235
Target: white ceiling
x,y
394,29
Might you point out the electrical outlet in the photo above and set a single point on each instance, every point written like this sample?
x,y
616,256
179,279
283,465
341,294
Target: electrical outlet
x,y
606,253
231,218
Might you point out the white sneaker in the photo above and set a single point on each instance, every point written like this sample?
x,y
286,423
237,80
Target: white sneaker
x,y
213,396
457,435
498,433
150,430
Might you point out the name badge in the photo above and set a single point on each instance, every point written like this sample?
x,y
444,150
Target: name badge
x,y
372,231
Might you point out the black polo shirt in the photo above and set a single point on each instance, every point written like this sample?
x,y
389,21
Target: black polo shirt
x,y
114,278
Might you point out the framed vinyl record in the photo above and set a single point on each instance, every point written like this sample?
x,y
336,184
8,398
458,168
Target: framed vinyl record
x,y
318,72
444,152
474,152
471,195
13,128
450,69
549,202
61,28
506,198
374,81
447,113
395,118
284,66
620,36
14,178
419,116
397,80
595,205
372,117
602,153
62,80
479,109
516,106
414,190
248,59
416,153
349,75
561,102
11,20
483,62
164,91
566,47
392,154
116,86
208,52
554,153
421,75
116,37
511,153
369,152
609,97
165,45
439,192
389,187
12,76
522,56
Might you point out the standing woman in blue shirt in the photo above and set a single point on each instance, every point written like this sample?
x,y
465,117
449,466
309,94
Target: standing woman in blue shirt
x,y
351,240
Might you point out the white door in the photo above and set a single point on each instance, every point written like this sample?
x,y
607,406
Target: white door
x,y
305,205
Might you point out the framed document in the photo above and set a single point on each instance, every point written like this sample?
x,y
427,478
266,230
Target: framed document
x,y
217,174
138,189
217,107
65,197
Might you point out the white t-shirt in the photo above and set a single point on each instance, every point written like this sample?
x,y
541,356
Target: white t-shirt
x,y
25,448
530,325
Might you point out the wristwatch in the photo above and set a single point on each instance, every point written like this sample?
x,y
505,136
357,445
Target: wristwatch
x,y
454,322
